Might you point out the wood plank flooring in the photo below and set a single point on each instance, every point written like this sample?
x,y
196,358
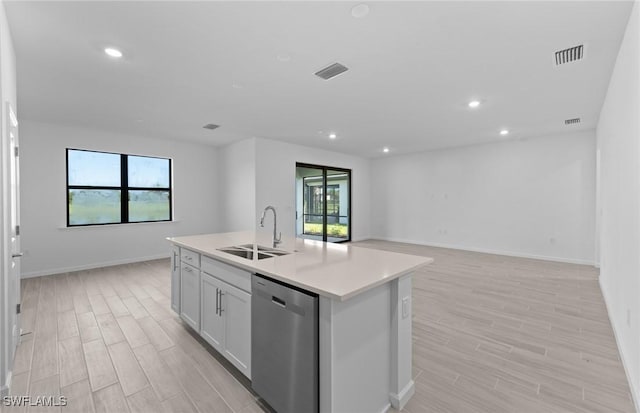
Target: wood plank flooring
x,y
491,334
107,340
501,334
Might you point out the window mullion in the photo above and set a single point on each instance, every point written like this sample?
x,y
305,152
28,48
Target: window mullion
x,y
124,182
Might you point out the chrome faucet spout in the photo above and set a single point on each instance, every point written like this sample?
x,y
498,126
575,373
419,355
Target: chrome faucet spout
x,y
277,238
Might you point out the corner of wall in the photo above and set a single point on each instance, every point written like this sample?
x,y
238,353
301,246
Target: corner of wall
x,y
237,181
619,201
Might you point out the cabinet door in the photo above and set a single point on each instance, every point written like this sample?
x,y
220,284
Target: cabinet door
x,y
190,295
212,325
236,309
175,279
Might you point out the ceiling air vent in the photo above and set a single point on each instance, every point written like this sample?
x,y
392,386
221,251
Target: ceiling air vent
x,y
569,55
331,71
211,126
572,121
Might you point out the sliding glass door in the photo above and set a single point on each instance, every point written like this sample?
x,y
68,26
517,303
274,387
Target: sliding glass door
x,y
323,203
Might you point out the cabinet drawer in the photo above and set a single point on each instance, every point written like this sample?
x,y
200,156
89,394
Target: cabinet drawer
x,y
190,257
189,268
227,273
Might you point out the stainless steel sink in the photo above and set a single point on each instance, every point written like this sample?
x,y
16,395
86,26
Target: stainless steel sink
x,y
247,251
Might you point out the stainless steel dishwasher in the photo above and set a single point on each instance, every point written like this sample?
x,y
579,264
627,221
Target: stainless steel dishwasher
x,y
284,346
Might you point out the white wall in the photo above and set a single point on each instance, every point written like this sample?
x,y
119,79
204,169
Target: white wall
x,y
7,94
619,199
533,198
276,183
237,177
50,247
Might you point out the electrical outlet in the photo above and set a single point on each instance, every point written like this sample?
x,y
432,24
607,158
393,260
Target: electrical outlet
x,y
405,307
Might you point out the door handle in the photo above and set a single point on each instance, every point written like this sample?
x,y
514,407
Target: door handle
x,y
217,301
221,310
278,301
17,255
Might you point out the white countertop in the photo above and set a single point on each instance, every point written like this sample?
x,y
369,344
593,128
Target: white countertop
x,y
337,271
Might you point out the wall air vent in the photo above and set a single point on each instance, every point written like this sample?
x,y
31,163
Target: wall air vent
x,y
211,126
331,71
569,55
573,121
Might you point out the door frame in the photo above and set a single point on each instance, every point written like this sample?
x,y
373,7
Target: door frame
x,y
324,169
9,277
16,251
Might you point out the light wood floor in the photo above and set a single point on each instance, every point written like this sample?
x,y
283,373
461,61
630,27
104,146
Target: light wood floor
x,y
501,334
491,334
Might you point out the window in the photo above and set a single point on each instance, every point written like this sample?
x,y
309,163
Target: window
x,y
323,203
313,187
113,188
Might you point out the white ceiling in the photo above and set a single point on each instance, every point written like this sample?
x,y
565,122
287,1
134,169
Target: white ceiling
x,y
413,66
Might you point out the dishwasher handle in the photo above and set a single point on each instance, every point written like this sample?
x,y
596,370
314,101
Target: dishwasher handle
x,y
278,301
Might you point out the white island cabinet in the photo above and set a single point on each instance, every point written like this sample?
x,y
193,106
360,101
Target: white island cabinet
x,y
214,299
226,312
364,321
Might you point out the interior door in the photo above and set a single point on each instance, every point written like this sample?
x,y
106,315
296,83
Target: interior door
x,y
14,275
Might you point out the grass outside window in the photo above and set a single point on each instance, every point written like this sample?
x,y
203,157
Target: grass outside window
x,y
333,230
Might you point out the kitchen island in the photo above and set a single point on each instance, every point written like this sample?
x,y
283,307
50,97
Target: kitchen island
x,y
364,317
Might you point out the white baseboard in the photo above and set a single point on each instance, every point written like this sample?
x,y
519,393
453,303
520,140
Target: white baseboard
x,y
635,393
398,401
386,408
489,251
51,271
4,390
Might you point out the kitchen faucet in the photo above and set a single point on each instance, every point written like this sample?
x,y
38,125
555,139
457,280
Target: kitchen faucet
x,y
276,239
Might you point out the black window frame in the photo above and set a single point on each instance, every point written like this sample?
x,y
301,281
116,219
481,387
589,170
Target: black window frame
x,y
124,188
325,169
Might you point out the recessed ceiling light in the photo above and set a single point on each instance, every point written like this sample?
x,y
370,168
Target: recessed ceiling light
x,y
332,136
385,150
110,51
360,11
504,132
237,85
284,57
474,103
